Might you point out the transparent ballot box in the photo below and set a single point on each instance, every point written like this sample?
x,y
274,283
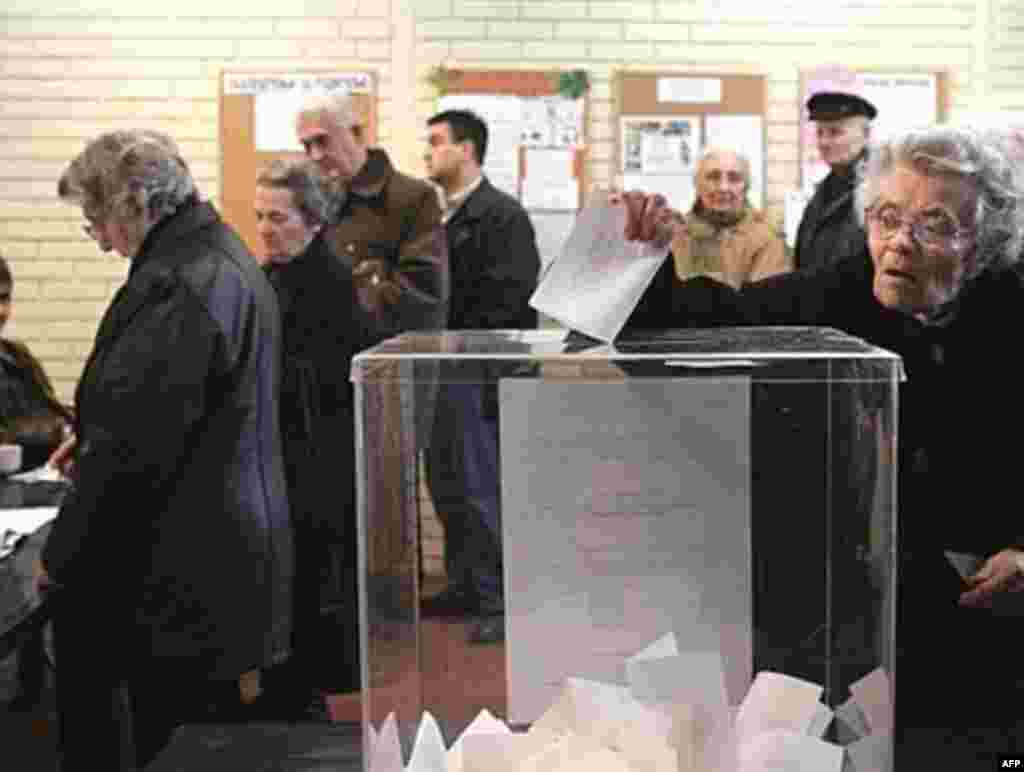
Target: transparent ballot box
x,y
678,518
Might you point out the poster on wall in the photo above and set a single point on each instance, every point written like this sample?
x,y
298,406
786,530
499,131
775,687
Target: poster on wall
x,y
659,155
278,98
660,144
552,121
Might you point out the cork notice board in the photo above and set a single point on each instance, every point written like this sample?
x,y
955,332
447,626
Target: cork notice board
x,y
667,119
257,112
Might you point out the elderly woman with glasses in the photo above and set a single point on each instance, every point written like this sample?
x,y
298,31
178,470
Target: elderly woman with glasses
x,y
173,551
941,286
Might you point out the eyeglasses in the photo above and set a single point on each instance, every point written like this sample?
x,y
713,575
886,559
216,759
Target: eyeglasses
x,y
92,226
931,230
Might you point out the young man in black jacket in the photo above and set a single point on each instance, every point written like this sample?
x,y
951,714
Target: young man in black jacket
x,y
494,265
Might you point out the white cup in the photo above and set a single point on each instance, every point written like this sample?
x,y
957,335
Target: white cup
x,y
10,459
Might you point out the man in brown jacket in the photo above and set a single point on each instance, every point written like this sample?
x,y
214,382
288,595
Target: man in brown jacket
x,y
725,237
387,225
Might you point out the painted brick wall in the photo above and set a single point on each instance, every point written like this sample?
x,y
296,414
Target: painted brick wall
x,y
66,75
730,36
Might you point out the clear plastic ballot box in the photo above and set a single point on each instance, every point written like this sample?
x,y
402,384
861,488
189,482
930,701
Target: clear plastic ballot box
x,y
677,511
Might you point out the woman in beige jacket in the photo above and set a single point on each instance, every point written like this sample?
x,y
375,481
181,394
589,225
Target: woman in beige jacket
x,y
725,237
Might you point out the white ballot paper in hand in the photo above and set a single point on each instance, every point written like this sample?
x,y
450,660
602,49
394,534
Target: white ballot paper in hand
x,y
597,280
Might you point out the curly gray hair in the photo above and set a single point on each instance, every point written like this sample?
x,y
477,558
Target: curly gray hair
x,y
302,180
981,158
136,177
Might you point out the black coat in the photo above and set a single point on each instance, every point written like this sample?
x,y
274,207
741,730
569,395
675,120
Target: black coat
x,y
494,263
829,230
175,543
959,425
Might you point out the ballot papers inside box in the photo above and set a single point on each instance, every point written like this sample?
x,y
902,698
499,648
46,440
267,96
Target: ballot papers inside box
x,y
679,513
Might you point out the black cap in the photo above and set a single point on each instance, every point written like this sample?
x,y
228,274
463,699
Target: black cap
x,y
834,105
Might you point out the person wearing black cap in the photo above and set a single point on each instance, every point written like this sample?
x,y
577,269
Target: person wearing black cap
x,y
829,230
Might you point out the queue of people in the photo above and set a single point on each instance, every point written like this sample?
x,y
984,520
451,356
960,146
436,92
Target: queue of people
x,y
216,404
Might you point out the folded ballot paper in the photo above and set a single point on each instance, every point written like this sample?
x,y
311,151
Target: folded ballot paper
x,y
683,725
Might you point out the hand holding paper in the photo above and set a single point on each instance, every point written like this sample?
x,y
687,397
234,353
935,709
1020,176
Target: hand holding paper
x,y
599,277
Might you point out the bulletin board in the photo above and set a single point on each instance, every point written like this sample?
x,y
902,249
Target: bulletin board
x,y
904,99
665,120
257,113
470,88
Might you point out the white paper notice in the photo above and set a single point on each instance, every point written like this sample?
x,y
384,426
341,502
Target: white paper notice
x,y
704,90
549,181
552,121
277,100
744,134
598,279
660,144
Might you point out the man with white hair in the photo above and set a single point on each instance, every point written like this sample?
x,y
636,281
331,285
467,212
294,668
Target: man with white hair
x,y
829,230
387,225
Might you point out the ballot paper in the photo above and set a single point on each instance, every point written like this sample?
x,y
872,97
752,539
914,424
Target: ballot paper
x,y
869,754
507,752
428,753
662,673
386,752
15,523
821,722
777,702
783,751
851,723
966,564
873,694
598,278
484,725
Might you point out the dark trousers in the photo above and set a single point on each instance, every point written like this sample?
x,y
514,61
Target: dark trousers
x,y
116,719
463,473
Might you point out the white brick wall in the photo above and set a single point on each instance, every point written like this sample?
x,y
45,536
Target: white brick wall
x,y
732,36
69,71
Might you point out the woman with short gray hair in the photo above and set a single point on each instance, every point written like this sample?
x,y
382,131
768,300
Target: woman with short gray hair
x,y
177,471
940,285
